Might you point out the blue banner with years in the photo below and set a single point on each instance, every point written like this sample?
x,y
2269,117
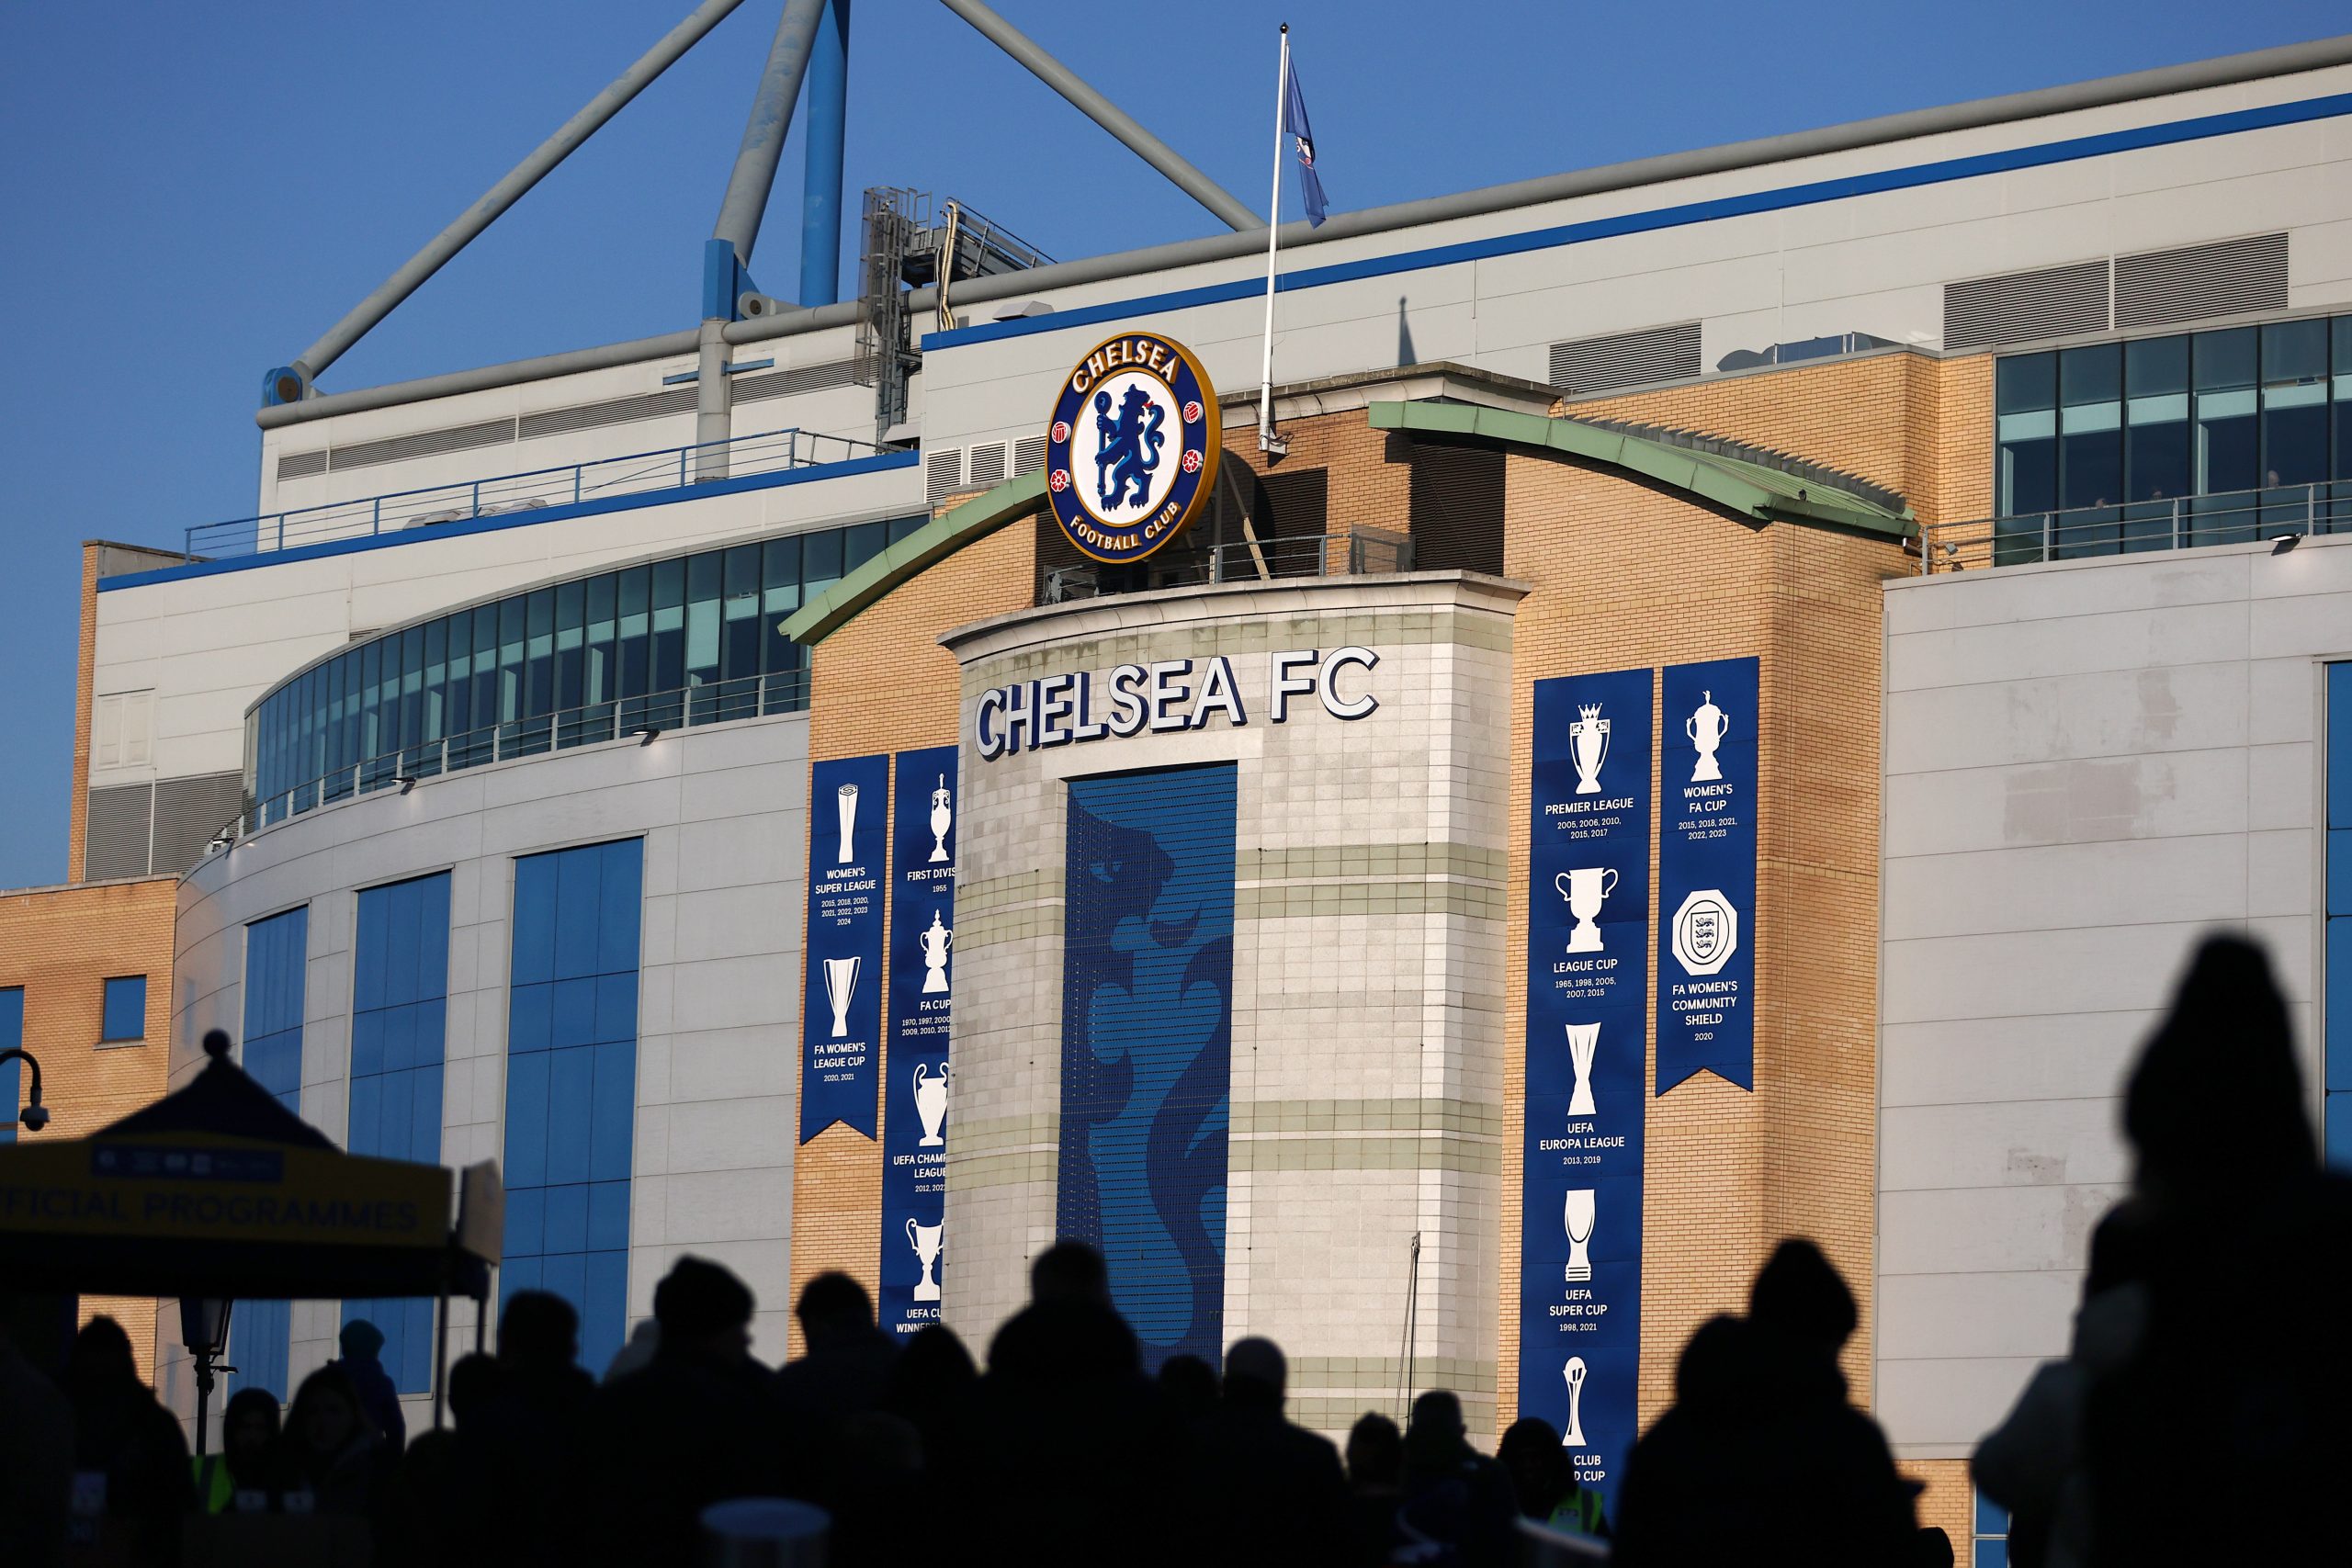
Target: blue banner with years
x,y
1707,873
840,1004
1588,1015
914,1118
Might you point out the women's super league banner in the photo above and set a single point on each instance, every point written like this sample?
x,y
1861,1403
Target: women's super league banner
x,y
914,1122
1588,1017
1707,873
841,1009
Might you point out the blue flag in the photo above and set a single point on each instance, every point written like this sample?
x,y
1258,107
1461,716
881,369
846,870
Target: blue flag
x,y
1310,184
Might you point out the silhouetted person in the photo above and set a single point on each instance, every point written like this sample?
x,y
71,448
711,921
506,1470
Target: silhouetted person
x,y
845,1365
1267,1492
36,1459
1069,1271
1457,1500
932,1384
1544,1481
1376,1486
380,1400
247,1475
534,1420
333,1450
637,1351
453,1499
121,1433
865,1475
1189,1385
2240,1380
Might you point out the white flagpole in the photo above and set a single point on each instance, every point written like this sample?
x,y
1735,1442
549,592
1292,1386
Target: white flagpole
x,y
1266,440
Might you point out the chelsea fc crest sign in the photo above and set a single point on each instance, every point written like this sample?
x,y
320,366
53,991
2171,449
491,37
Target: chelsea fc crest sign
x,y
1131,455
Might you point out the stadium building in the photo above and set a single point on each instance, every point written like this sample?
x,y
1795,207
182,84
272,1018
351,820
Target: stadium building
x,y
1707,701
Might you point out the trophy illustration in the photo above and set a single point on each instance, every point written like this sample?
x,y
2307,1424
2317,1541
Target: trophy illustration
x,y
1705,727
934,955
943,814
1589,744
928,1241
1574,1373
1579,1217
841,984
1584,1042
930,1103
1584,888
847,806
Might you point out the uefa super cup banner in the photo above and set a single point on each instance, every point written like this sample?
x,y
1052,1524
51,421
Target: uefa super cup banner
x,y
915,1093
1588,1016
1707,873
841,1009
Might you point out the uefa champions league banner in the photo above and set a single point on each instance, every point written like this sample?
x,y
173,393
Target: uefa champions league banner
x,y
914,1120
1707,873
841,1006
1588,1017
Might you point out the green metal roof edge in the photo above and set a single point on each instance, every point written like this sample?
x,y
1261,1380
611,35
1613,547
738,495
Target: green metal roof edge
x,y
1727,483
935,540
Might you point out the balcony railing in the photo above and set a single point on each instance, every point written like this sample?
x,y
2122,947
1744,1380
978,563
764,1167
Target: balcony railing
x,y
2173,523
670,467
1366,550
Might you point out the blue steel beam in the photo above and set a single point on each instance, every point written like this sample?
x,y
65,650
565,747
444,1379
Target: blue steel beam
x,y
821,201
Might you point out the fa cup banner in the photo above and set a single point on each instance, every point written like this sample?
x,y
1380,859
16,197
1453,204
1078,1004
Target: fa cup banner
x,y
914,1097
1588,1015
840,1004
1707,873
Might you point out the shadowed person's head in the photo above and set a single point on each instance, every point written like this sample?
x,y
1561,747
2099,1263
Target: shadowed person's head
x,y
1255,1374
2216,1104
1069,1271
703,1310
537,1332
1799,1297
834,1308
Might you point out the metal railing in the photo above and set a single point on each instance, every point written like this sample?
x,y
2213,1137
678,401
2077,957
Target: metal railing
x,y
669,468
2175,523
1364,551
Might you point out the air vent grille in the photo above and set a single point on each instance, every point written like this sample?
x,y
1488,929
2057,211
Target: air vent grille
x,y
943,474
1626,359
790,383
188,812
115,837
1028,456
423,444
618,410
986,464
2234,277
2055,301
301,465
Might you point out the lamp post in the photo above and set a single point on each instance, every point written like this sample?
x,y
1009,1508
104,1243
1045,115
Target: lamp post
x,y
34,1116
204,1329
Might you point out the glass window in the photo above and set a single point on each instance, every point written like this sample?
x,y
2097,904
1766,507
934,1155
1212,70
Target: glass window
x,y
436,678
862,543
2026,425
636,646
2294,403
2090,456
669,626
821,561
509,660
2340,368
599,681
538,655
2228,444
123,1013
458,711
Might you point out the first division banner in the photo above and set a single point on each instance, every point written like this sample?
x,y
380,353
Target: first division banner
x,y
1588,1016
914,1121
1707,873
840,1003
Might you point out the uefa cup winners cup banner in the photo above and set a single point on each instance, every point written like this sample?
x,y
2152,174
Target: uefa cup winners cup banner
x,y
1707,873
915,1096
1588,1015
840,1008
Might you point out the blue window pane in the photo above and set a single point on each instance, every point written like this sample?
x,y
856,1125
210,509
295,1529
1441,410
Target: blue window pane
x,y
432,1028
516,1274
2340,744
398,1026
2338,1023
257,1346
575,1012
578,904
530,1017
565,1273
2339,1130
602,1308
1991,1517
2339,870
526,1119
616,1007
607,1215
425,1121
365,1133
526,1209
433,944
534,953
567,1219
395,1113
367,1042
570,1081
620,917
1993,1553
615,1113
125,1010
12,1036
401,941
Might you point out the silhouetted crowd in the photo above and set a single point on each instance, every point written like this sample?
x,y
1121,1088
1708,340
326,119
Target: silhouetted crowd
x,y
2202,1416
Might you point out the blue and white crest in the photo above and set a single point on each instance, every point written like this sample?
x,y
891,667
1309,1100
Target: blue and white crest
x,y
1131,455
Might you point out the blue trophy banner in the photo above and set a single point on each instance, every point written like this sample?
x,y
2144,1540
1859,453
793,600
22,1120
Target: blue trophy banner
x,y
1707,873
841,1004
1588,1016
914,1122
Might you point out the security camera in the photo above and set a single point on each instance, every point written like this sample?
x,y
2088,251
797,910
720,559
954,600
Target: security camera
x,y
34,1117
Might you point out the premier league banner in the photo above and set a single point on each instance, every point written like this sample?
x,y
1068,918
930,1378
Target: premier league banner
x,y
1588,1016
1707,873
840,1008
914,1122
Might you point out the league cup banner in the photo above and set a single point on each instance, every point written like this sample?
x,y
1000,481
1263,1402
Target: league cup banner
x,y
914,1123
1707,873
1588,1017
840,1008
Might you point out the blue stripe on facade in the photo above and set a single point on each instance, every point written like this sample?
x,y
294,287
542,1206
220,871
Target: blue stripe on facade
x,y
399,1015
1745,204
572,1083
276,961
12,1036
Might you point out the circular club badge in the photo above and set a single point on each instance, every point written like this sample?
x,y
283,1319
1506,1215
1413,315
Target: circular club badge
x,y
1131,455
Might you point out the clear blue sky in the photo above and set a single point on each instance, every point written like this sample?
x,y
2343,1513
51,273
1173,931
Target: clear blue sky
x,y
191,194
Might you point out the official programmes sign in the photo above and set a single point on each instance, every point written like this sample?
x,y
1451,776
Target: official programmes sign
x,y
1131,455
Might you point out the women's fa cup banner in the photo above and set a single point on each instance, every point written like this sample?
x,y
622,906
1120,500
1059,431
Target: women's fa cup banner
x,y
1707,873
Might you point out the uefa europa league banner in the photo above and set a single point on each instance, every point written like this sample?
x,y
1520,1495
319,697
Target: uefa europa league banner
x,y
914,1119
1588,1017
1707,873
840,1008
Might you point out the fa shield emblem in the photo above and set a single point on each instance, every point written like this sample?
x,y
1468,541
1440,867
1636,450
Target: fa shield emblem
x,y
1131,454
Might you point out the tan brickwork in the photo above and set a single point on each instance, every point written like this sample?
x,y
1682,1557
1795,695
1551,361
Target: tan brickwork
x,y
1365,484
61,945
85,681
1948,1501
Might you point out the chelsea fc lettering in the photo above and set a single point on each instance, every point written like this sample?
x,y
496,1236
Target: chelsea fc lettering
x,y
1162,697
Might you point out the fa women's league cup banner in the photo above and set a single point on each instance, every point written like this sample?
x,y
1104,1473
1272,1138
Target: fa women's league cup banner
x,y
914,1121
841,1006
1587,1014
1707,873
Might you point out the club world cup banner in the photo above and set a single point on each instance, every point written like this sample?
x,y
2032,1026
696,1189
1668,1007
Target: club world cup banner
x,y
915,1093
1588,1015
841,1007
1707,873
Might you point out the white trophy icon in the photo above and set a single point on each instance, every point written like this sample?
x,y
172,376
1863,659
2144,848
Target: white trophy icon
x,y
1574,1373
930,1103
928,1241
1588,745
943,816
1579,1217
846,804
841,984
1706,727
935,942
1584,1043
1584,888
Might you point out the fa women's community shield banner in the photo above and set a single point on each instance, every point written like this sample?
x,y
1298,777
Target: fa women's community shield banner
x,y
1131,454
1707,873
841,1006
1587,1014
914,1121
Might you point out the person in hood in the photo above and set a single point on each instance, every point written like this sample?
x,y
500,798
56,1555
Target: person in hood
x,y
380,1400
